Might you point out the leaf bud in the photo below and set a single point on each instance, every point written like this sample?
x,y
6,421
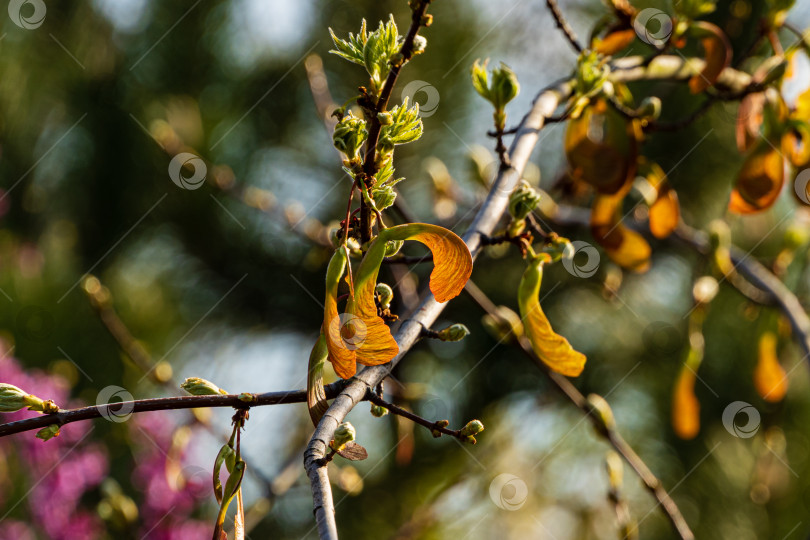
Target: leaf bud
x,y
48,432
454,332
473,427
385,293
600,410
345,433
200,387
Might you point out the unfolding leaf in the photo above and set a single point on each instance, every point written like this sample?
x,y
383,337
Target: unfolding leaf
x,y
553,349
770,378
353,452
601,147
717,54
625,247
685,405
759,182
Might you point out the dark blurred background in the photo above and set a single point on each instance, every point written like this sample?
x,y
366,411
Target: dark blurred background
x,y
225,282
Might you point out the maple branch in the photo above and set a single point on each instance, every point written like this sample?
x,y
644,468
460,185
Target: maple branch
x,y
409,330
488,216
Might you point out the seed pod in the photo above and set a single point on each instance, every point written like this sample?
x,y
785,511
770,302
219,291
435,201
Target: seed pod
x,y
553,349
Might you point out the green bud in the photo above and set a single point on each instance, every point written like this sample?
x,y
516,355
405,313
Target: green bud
x,y
470,439
473,427
592,74
385,118
344,433
246,397
48,432
392,247
200,387
599,408
385,294
523,201
454,332
349,135
378,410
12,399
503,88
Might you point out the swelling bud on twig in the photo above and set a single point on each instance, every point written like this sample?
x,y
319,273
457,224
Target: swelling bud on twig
x,y
12,399
200,387
378,410
523,201
599,408
345,433
473,427
501,90
48,433
454,332
385,294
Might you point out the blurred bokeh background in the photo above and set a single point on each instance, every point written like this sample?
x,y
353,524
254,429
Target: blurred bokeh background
x,y
224,282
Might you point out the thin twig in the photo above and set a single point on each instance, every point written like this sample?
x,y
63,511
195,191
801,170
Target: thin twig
x,y
399,411
612,436
563,25
122,408
374,126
